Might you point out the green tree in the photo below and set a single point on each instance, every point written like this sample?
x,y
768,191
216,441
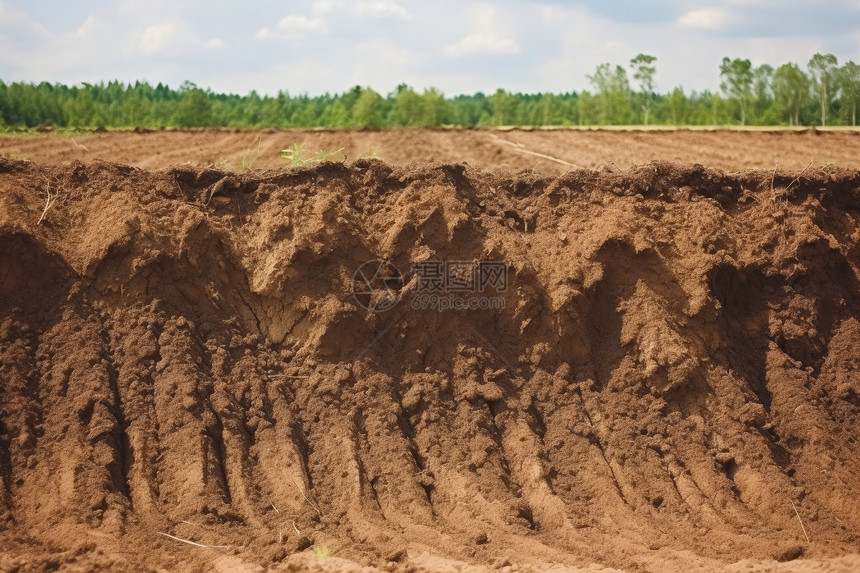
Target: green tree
x,y
716,108
307,114
369,110
470,110
434,107
791,90
271,114
4,102
822,67
588,109
504,107
736,82
849,85
408,107
81,111
335,115
678,105
551,110
134,110
252,110
613,94
762,90
643,72
194,108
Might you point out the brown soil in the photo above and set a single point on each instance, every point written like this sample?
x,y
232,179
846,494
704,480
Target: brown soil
x,y
557,150
673,382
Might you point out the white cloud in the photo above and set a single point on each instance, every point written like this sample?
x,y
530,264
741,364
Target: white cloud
x,y
171,34
297,22
16,23
483,44
37,54
383,8
159,37
92,27
328,14
489,37
320,73
382,63
265,34
294,25
321,8
705,18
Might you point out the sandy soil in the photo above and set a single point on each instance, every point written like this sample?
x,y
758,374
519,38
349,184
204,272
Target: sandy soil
x,y
540,151
668,380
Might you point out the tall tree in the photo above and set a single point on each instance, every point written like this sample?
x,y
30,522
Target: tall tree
x,y
504,107
643,72
435,107
736,82
587,109
678,105
335,115
822,68
194,109
762,90
134,110
791,89
551,112
613,93
407,106
369,109
849,85
81,110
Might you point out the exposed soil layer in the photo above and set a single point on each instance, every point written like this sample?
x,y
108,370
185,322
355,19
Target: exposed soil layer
x,y
544,152
670,380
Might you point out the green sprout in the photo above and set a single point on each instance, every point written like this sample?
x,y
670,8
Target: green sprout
x,y
247,161
321,552
297,156
372,153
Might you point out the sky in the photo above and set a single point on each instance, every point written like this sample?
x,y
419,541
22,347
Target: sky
x,y
457,46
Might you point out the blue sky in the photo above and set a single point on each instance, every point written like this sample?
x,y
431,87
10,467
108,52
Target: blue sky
x,y
458,46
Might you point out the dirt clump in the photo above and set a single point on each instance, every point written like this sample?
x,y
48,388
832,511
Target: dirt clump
x,y
665,377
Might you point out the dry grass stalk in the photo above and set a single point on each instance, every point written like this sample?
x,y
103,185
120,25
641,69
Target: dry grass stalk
x,y
521,148
195,544
307,499
800,520
49,201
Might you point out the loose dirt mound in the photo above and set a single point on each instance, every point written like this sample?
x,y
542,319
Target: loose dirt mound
x,y
668,381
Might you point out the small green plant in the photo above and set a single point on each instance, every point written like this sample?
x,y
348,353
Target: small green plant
x,y
321,552
297,156
220,163
372,153
248,162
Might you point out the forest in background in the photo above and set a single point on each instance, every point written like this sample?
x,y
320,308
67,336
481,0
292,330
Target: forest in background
x,y
821,93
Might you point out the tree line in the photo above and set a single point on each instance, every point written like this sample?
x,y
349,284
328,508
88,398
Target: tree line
x,y
822,93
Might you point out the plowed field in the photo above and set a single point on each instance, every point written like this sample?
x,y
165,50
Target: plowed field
x,y
501,365
539,151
